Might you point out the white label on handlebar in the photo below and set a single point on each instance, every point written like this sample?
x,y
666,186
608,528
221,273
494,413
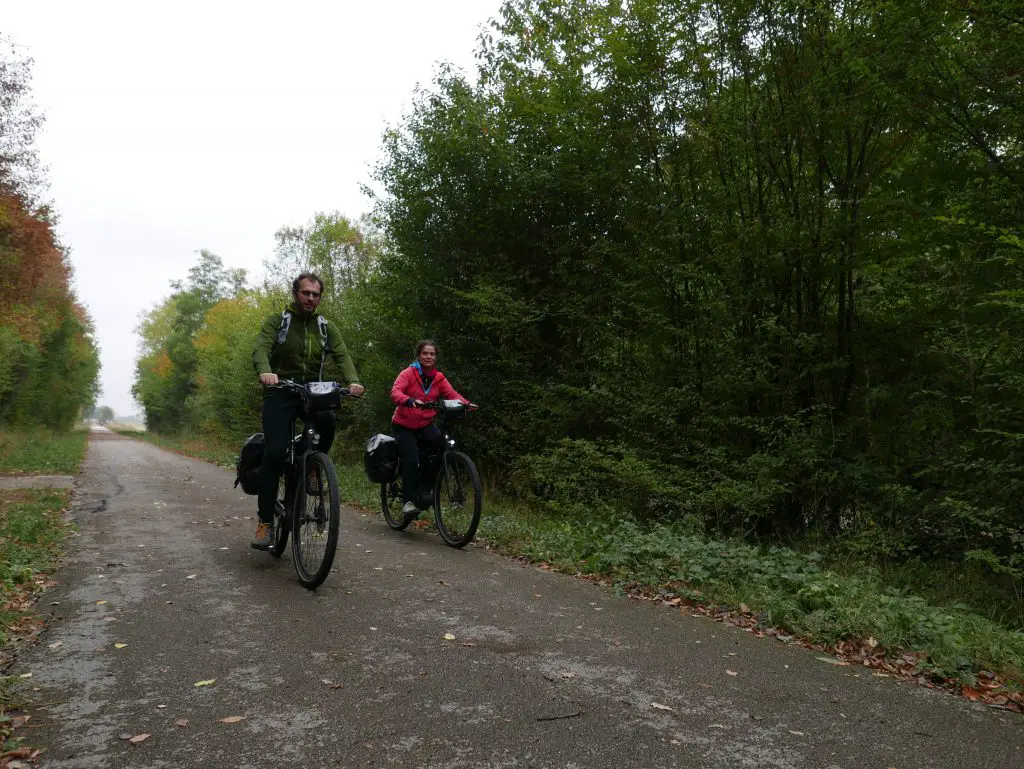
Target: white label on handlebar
x,y
452,404
321,388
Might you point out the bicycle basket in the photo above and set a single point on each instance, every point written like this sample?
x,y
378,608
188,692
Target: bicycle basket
x,y
380,459
247,468
323,395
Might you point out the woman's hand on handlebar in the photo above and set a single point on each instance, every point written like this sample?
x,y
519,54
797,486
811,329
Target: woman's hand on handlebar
x,y
269,379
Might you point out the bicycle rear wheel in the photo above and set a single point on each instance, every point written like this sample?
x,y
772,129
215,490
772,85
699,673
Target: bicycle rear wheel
x,y
282,518
458,498
316,521
391,505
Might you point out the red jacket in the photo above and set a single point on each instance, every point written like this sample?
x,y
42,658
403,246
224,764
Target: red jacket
x,y
409,384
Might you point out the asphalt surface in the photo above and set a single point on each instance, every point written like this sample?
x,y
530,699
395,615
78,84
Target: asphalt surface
x,y
544,670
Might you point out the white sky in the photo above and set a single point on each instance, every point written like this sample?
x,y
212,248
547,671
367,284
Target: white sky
x,y
172,127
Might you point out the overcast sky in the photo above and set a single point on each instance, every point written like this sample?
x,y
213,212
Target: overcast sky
x,y
172,127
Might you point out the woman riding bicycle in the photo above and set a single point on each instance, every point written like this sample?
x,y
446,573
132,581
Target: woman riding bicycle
x,y
413,425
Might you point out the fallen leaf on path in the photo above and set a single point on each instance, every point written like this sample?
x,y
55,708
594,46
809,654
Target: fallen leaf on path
x,y
330,684
449,637
832,661
731,673
139,738
191,576
468,643
378,568
161,707
209,682
230,720
798,734
100,603
124,736
659,706
56,644
120,646
182,722
716,726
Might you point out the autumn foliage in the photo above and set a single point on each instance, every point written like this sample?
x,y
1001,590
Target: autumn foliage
x,y
48,359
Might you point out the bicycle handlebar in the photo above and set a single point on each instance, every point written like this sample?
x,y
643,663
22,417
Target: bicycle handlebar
x,y
299,388
445,405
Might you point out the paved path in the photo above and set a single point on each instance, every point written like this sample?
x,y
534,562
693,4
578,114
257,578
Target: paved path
x,y
545,671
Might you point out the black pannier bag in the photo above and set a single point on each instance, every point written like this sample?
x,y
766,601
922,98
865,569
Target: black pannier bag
x,y
323,395
247,468
381,459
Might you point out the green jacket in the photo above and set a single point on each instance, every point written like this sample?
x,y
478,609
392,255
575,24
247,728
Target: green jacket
x,y
298,357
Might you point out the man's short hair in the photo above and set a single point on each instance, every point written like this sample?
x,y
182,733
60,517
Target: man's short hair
x,y
306,276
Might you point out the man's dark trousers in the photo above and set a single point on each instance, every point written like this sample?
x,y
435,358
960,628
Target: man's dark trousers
x,y
279,409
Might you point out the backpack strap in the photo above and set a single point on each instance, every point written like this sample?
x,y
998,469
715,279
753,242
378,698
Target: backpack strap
x,y
321,323
325,345
286,323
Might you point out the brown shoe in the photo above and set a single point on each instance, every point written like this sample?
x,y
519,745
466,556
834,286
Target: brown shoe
x,y
263,538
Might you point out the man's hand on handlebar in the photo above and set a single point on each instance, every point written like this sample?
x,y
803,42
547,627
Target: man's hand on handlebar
x,y
269,379
356,390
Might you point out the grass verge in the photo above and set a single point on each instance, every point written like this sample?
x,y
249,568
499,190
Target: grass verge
x,y
863,618
42,452
32,530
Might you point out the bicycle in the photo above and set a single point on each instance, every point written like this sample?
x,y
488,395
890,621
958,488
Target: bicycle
x,y
314,524
455,515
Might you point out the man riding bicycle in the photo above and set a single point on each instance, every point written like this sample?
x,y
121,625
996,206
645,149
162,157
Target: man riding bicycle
x,y
293,344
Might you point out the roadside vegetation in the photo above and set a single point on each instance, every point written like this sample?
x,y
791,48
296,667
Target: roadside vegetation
x,y
33,527
42,452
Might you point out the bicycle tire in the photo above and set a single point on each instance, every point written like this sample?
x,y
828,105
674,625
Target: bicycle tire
x,y
456,520
391,505
315,528
282,519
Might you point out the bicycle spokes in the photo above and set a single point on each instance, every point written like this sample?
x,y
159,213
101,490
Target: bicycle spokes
x,y
458,500
316,522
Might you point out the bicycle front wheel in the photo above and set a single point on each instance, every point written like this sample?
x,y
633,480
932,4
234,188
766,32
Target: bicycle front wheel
x,y
316,522
458,498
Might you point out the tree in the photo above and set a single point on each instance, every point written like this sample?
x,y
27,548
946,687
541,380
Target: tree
x,y
104,414
49,362
166,381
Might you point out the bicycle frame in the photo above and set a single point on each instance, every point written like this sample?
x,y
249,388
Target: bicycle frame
x,y
296,466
